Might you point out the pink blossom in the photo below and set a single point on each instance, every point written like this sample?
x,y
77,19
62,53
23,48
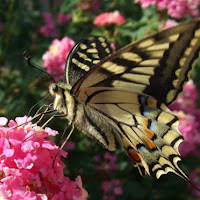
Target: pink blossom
x,y
95,5
145,3
80,186
26,164
107,163
189,127
48,18
175,8
170,23
162,4
189,115
3,121
111,189
55,57
178,9
4,194
187,100
63,19
194,177
48,30
106,19
69,146
113,46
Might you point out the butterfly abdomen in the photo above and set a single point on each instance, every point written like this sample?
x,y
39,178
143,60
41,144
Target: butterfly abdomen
x,y
95,126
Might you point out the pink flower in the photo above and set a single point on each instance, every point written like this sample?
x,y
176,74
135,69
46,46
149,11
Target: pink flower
x,y
189,127
3,121
189,115
55,57
146,3
69,146
48,18
80,186
108,163
111,189
162,4
63,19
187,100
194,177
26,164
169,23
176,8
48,30
107,19
95,5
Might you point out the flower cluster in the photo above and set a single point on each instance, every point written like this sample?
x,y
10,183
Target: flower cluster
x,y
189,116
55,57
106,19
106,165
29,165
49,29
111,189
63,19
175,8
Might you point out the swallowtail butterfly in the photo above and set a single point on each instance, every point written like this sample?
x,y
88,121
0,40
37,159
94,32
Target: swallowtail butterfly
x,y
123,96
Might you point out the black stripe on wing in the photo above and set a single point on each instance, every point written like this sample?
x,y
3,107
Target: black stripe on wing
x,y
85,54
157,66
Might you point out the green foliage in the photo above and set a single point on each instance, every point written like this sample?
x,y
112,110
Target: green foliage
x,y
21,86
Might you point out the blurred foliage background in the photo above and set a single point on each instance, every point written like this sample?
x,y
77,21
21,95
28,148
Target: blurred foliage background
x,y
105,176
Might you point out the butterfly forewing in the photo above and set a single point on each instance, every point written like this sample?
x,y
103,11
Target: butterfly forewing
x,y
157,66
84,55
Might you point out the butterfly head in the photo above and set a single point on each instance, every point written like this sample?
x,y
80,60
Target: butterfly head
x,y
63,101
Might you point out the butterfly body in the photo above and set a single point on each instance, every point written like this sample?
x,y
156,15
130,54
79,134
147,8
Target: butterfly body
x,y
83,117
123,96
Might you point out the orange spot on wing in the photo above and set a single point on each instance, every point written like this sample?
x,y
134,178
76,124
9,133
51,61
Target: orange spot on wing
x,y
146,122
149,133
134,156
149,143
151,102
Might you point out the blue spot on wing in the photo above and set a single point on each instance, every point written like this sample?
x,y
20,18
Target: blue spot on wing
x,y
143,100
153,126
145,112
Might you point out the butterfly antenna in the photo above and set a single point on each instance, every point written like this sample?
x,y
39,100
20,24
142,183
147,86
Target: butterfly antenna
x,y
27,57
37,104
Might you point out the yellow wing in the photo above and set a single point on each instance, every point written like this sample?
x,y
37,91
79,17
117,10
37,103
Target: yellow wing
x,y
157,66
147,130
124,97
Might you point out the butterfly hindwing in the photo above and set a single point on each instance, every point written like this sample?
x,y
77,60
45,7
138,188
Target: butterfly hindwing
x,y
147,131
84,55
157,66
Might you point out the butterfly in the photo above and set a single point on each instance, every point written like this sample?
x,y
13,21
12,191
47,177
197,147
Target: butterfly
x,y
122,96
